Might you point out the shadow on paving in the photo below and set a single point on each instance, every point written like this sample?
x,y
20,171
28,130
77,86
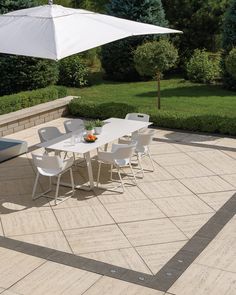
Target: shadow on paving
x,y
189,92
171,138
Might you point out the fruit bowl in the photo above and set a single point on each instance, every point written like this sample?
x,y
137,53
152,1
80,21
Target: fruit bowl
x,y
90,138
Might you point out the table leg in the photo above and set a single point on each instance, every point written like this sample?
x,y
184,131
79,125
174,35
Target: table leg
x,y
90,170
90,175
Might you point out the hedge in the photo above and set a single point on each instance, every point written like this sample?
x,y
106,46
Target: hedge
x,y
15,102
185,121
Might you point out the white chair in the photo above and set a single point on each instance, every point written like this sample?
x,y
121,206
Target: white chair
x,y
137,117
119,157
49,133
74,125
143,140
52,166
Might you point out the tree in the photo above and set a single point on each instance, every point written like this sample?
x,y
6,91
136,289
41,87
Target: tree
x,y
154,58
229,28
94,5
24,73
229,42
10,5
199,18
117,57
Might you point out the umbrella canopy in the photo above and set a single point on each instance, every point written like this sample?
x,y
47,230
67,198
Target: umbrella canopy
x,y
54,32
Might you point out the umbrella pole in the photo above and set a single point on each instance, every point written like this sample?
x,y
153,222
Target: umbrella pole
x,y
50,2
158,91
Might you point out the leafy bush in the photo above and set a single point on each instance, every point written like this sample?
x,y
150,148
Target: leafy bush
x,y
202,68
72,72
15,102
175,120
230,63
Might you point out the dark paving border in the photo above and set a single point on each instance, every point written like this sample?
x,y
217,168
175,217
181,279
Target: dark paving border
x,y
163,280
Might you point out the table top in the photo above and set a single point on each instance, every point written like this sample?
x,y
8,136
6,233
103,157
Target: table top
x,y
113,129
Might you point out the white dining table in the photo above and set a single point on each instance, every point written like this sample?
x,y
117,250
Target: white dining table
x,y
113,129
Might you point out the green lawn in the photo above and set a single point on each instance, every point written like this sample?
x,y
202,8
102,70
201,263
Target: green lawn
x,y
178,95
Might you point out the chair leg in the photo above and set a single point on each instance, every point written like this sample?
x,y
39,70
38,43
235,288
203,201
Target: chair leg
x,y
72,182
122,184
149,156
99,172
57,188
140,164
111,172
35,186
132,171
50,183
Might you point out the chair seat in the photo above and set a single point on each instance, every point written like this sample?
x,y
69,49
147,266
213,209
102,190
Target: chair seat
x,y
49,172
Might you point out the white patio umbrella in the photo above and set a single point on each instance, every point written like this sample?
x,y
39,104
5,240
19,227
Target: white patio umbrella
x,y
54,32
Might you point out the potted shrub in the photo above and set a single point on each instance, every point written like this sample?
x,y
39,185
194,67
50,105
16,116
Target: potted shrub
x,y
89,127
98,124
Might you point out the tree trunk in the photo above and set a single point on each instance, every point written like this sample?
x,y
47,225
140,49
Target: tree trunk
x,y
158,90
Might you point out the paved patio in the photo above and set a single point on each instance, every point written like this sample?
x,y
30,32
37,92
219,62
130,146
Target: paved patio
x,y
175,233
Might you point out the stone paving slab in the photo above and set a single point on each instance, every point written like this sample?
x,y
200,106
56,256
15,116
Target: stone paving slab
x,y
134,211
149,232
163,189
190,224
107,286
54,278
126,258
87,240
15,266
180,206
216,200
205,280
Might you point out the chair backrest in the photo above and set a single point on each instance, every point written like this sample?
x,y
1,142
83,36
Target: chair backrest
x,y
145,139
47,162
137,117
74,125
49,133
124,151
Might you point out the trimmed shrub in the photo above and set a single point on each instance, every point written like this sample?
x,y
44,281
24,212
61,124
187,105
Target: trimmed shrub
x,y
155,57
101,111
73,72
202,68
15,102
175,120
